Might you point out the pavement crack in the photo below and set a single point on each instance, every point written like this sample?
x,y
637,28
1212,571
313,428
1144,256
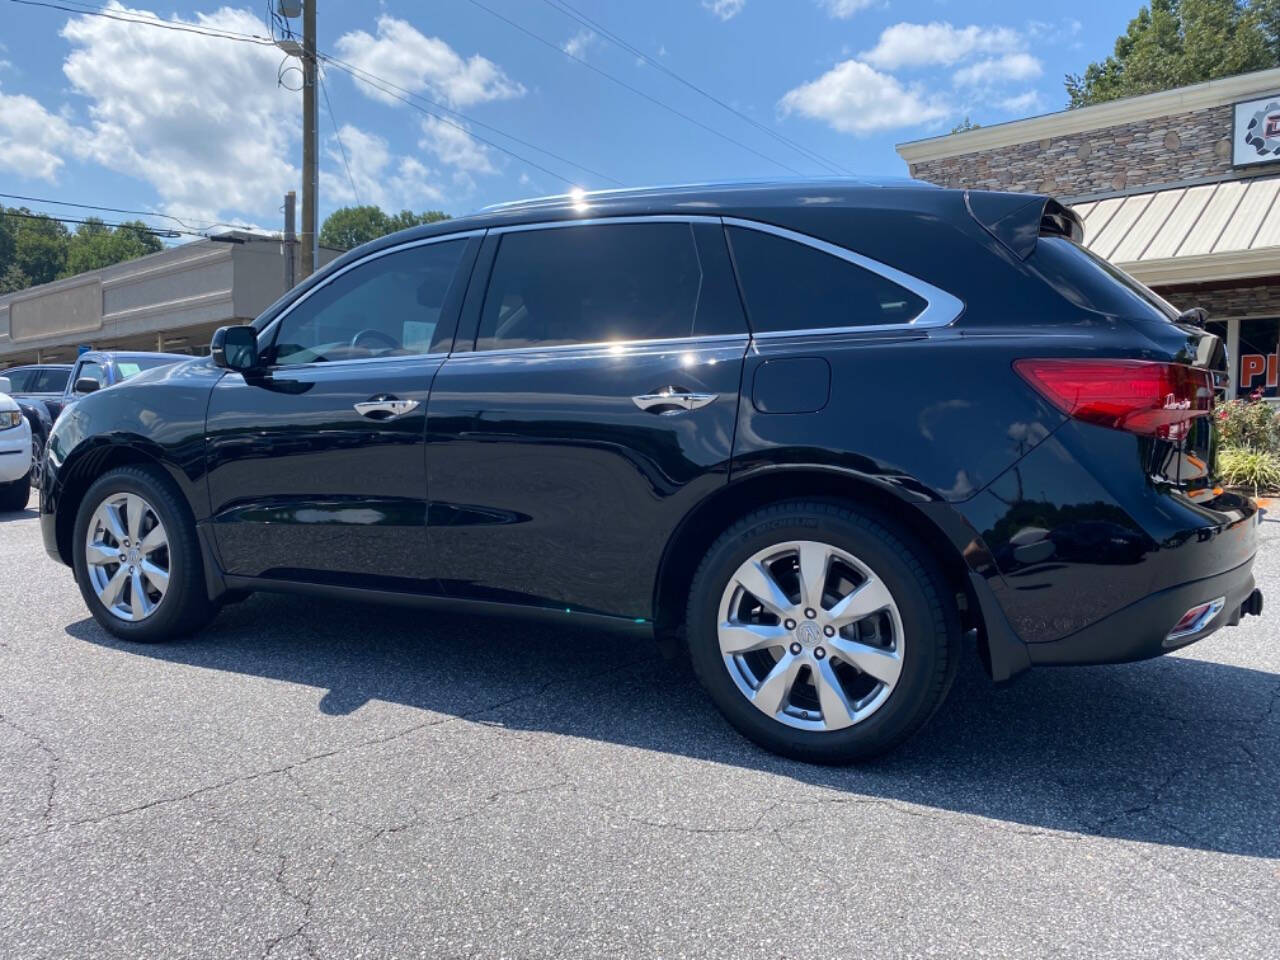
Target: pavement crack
x,y
51,769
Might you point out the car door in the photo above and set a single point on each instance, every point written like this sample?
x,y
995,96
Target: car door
x,y
316,466
590,405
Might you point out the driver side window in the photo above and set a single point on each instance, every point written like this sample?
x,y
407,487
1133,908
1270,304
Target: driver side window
x,y
388,306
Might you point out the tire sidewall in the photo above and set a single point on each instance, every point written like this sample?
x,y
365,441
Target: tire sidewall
x,y
911,701
164,622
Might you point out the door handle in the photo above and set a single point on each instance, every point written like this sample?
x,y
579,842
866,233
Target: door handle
x,y
671,400
385,408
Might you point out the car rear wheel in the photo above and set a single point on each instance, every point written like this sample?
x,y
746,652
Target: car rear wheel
x,y
136,557
821,632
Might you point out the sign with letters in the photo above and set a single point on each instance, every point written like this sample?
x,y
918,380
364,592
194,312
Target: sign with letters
x,y
1255,134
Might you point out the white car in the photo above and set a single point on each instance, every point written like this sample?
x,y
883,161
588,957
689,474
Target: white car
x,y
15,453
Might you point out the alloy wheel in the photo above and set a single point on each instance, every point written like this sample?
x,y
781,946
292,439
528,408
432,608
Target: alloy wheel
x,y
811,636
126,554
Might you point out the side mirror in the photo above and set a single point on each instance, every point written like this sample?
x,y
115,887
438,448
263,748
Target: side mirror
x,y
87,385
235,348
6,385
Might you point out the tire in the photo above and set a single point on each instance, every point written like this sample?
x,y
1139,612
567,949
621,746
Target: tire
x,y
15,494
911,640
37,459
184,605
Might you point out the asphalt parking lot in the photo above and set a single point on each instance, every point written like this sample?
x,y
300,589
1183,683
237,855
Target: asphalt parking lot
x,y
319,779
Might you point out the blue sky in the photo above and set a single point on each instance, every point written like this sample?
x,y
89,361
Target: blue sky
x,y
95,110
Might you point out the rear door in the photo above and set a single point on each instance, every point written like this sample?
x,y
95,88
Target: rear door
x,y
316,467
591,403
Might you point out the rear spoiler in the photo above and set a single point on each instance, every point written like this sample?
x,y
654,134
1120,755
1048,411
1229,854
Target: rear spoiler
x,y
1017,220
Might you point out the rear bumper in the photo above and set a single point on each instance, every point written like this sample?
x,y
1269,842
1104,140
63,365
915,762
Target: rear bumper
x,y
1141,630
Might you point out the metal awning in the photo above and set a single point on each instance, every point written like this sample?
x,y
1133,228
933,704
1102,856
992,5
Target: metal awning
x,y
1214,231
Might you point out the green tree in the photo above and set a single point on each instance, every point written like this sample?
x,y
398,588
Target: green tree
x,y
39,247
349,227
965,125
95,245
1172,43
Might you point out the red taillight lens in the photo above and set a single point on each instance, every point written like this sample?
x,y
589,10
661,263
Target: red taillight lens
x,y
1140,396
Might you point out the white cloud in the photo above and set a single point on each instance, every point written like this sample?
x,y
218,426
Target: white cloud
x,y
1028,102
32,140
576,46
854,98
986,73
456,148
844,9
202,120
381,178
920,44
408,58
725,9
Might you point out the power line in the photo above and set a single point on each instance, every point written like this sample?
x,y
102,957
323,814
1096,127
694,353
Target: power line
x,y
634,89
140,213
388,88
570,11
338,136
168,234
368,77
372,79
90,10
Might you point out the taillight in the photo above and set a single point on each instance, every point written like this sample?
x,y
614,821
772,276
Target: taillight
x,y
1140,396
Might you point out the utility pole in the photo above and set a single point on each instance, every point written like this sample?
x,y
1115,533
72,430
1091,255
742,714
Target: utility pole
x,y
309,126
290,241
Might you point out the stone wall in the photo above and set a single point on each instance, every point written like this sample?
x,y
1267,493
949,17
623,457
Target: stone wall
x,y
1149,153
1258,300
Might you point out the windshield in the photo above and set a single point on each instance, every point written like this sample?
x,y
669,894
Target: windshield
x,y
135,365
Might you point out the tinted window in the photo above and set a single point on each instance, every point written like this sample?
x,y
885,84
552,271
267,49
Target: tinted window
x,y
1090,282
388,306
22,381
790,286
622,281
50,380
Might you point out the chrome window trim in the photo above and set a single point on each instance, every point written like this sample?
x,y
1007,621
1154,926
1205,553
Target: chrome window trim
x,y
598,221
397,248
941,308
596,345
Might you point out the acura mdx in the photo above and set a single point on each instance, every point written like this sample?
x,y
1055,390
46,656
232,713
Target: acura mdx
x,y
825,435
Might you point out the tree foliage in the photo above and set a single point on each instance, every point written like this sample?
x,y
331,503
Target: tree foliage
x,y
348,227
38,249
1172,43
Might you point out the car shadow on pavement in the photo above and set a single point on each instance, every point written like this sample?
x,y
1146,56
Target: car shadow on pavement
x,y
1173,751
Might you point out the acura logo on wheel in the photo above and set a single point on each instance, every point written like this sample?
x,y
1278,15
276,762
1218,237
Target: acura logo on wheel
x,y
808,633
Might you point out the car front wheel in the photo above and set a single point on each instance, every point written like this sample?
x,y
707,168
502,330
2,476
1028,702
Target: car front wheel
x,y
822,632
136,557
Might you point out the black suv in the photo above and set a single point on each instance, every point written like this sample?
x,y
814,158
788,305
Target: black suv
x,y
820,432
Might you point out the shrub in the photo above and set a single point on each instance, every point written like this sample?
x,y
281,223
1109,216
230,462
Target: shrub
x,y
1248,424
1242,467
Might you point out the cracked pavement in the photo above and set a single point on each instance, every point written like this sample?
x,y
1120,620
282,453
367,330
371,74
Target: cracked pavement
x,y
321,779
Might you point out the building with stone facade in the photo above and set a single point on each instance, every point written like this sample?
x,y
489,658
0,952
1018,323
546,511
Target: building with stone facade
x,y
1181,189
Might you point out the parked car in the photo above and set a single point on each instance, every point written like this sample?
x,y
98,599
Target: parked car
x,y
15,452
818,432
92,371
45,382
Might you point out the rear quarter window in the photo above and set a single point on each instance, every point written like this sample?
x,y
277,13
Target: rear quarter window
x,y
790,286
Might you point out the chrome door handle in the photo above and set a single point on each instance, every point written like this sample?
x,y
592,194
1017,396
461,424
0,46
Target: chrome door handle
x,y
673,400
385,408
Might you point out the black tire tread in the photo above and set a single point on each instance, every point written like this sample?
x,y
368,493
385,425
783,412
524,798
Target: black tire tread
x,y
915,556
194,608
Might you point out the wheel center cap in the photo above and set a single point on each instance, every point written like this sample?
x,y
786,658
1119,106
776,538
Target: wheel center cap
x,y
133,556
808,633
